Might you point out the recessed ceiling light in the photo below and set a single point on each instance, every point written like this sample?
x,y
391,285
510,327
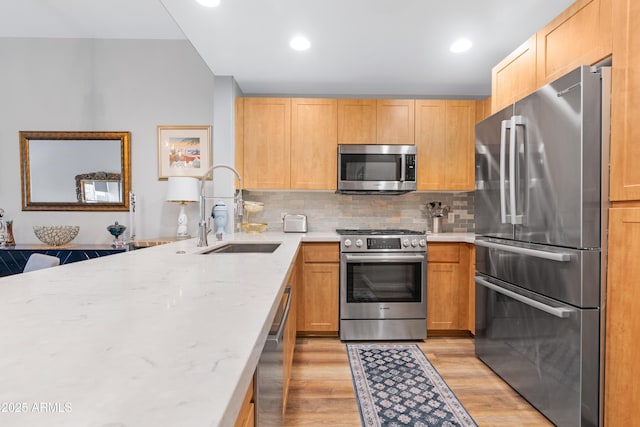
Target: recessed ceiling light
x,y
461,45
209,3
300,43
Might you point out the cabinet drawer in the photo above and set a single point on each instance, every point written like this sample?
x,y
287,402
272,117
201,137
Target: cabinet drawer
x,y
320,252
443,252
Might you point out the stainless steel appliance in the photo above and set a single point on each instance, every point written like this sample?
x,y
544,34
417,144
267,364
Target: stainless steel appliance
x,y
383,285
270,372
540,209
364,168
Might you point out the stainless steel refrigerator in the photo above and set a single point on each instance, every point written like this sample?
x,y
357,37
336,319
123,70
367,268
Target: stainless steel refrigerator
x,y
540,207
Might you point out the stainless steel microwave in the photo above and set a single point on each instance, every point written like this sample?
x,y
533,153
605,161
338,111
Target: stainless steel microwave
x,y
369,168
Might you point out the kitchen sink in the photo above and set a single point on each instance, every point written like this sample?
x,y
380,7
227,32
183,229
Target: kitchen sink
x,y
239,248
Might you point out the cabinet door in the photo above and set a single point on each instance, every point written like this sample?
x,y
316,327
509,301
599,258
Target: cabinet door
x,y
267,142
443,310
320,293
622,368
239,136
459,157
447,286
445,141
314,144
625,108
357,121
396,121
483,109
579,35
515,76
430,143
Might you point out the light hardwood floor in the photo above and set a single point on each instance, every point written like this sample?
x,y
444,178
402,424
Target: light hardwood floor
x,y
321,392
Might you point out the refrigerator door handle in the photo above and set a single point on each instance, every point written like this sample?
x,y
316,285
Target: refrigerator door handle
x,y
503,144
552,256
514,217
560,312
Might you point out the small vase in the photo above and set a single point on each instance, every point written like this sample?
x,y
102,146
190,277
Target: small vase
x,y
9,240
116,230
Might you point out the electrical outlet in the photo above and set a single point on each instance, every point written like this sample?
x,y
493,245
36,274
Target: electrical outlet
x,y
282,214
451,218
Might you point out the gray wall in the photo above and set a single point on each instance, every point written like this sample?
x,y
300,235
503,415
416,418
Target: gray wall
x,y
100,85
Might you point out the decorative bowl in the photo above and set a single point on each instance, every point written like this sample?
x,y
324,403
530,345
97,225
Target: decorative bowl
x,y
254,227
56,235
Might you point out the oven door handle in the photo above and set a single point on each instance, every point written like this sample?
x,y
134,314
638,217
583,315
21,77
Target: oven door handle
x,y
385,258
560,312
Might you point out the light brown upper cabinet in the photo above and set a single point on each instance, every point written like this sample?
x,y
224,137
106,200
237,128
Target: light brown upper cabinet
x,y
579,35
396,121
483,109
515,76
371,121
267,143
357,121
445,144
314,143
625,108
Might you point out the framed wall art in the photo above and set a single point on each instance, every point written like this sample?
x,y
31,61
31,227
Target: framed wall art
x,y
184,151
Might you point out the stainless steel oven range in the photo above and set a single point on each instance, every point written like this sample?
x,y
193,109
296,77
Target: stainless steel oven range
x,y
383,285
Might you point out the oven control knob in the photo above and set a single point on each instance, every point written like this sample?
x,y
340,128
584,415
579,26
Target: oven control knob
x,y
347,243
414,243
358,243
423,243
405,243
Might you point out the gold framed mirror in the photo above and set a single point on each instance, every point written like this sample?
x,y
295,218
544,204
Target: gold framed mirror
x,y
75,171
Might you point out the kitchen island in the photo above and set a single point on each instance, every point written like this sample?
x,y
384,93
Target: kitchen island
x,y
160,336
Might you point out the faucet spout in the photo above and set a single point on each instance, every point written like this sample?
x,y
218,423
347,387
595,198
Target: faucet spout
x,y
203,228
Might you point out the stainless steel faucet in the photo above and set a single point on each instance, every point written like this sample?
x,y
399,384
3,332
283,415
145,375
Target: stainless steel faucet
x,y
203,228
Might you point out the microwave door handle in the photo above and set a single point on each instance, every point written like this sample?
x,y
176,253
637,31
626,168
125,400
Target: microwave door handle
x,y
403,168
560,312
503,143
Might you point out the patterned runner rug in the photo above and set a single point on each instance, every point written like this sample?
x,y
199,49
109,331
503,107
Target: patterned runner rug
x,y
396,385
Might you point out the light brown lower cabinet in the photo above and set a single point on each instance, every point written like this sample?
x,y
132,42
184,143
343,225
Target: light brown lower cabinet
x,y
622,368
448,288
247,415
318,290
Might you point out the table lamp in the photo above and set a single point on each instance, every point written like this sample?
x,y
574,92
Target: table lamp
x,y
183,189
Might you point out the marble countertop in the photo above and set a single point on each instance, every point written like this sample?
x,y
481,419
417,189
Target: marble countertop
x,y
158,336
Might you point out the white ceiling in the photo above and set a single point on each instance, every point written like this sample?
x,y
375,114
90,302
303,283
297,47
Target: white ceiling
x,y
358,47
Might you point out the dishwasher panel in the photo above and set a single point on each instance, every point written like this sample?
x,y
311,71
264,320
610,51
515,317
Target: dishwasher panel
x,y
270,371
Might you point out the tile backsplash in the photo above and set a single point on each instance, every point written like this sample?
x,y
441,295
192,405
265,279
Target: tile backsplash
x,y
327,211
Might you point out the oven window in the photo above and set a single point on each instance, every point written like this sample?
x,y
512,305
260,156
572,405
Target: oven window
x,y
384,282
371,167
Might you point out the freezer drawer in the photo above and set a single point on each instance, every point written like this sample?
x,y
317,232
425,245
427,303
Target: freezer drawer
x,y
546,351
568,275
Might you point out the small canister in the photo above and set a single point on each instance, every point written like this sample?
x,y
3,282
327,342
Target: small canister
x,y
437,221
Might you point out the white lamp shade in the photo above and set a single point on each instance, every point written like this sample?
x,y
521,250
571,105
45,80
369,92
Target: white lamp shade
x,y
183,189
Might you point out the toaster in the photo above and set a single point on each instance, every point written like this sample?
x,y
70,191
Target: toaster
x,y
295,223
